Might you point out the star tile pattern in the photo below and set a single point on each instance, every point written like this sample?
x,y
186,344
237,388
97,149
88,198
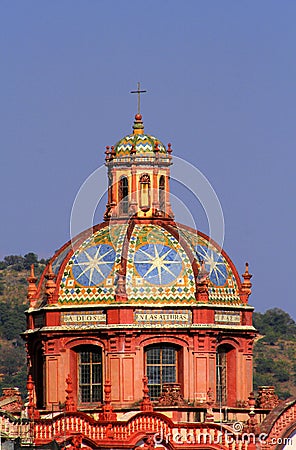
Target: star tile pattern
x,y
223,287
158,269
89,275
93,265
158,263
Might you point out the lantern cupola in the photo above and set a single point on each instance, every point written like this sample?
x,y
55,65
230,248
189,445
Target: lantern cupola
x,y
138,176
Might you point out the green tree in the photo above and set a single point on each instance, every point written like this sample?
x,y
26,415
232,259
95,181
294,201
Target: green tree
x,y
29,259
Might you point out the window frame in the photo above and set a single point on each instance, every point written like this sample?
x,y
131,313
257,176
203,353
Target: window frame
x,y
123,194
93,398
161,365
161,193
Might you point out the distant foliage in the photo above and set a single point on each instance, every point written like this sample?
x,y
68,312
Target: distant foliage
x,y
274,324
14,271
275,352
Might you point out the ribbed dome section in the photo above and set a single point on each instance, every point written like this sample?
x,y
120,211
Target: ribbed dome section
x,y
159,263
139,144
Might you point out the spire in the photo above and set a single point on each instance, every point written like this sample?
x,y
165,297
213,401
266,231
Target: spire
x,y
246,285
32,288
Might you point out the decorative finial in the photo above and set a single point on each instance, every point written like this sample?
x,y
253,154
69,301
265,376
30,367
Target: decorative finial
x,y
133,150
107,153
202,284
169,148
246,284
138,126
146,404
33,413
69,403
50,284
107,413
32,288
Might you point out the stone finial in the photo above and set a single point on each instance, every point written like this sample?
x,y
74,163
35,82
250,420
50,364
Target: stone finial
x,y
138,126
146,404
202,284
107,414
50,284
252,426
133,150
32,288
107,153
69,403
120,290
33,413
246,284
251,400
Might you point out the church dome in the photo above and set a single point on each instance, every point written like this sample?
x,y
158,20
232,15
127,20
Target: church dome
x,y
140,255
157,263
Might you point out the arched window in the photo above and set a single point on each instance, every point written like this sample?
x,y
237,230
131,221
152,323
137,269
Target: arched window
x,y
225,375
38,375
162,193
123,195
145,192
89,374
161,363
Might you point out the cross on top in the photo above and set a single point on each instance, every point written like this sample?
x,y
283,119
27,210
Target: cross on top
x,y
139,92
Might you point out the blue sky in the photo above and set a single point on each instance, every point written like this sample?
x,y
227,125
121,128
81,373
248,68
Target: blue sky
x,y
220,77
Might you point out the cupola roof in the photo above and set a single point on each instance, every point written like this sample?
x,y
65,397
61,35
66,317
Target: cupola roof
x,y
138,142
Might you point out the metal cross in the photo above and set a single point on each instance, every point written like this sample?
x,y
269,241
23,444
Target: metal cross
x,y
139,92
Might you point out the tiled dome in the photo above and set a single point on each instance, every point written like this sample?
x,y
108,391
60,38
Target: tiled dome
x,y
160,263
142,144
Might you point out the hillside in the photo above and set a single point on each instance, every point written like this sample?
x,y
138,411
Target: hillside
x,y
14,271
274,351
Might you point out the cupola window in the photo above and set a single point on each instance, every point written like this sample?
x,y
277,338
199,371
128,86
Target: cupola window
x,y
162,193
123,195
145,192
